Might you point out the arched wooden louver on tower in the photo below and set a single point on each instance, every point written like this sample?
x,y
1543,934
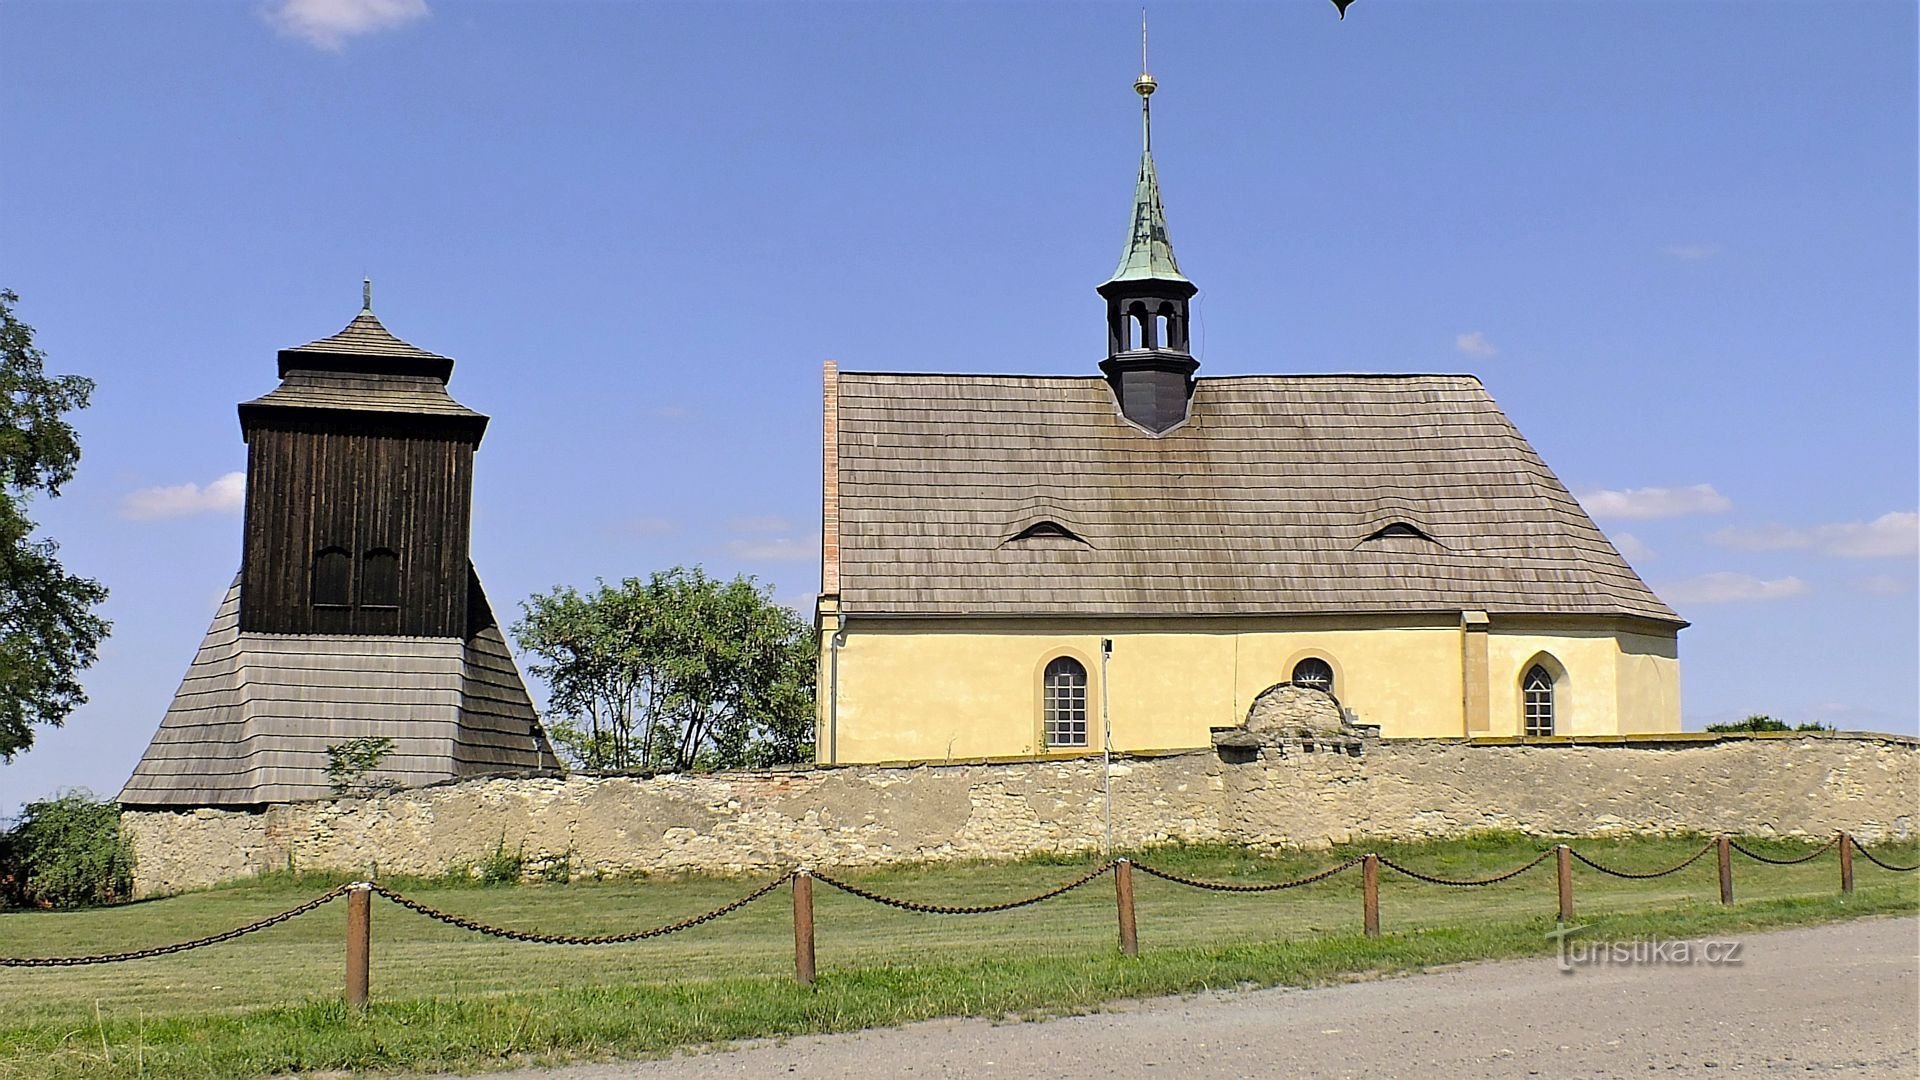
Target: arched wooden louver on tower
x,y
356,613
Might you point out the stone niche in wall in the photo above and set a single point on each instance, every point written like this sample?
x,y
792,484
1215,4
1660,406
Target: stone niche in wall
x,y
1292,718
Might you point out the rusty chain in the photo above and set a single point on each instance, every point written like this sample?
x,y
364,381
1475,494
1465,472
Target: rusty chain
x,y
477,927
905,905
181,946
1694,858
1809,857
1494,880
1884,865
1222,886
985,909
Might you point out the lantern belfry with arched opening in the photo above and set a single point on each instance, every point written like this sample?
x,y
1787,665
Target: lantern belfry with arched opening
x,y
356,613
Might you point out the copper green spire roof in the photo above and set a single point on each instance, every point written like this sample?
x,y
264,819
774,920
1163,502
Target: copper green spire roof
x,y
1149,254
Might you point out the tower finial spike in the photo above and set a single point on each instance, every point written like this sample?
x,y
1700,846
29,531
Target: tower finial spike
x,y
366,294
1145,86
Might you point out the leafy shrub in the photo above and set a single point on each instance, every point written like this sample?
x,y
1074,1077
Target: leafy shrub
x,y
503,867
66,852
348,764
1762,722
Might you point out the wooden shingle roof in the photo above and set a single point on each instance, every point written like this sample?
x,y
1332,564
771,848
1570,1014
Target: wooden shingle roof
x,y
252,720
366,336
364,369
1263,503
353,392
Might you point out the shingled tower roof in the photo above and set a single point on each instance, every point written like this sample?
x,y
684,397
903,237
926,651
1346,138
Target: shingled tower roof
x,y
356,614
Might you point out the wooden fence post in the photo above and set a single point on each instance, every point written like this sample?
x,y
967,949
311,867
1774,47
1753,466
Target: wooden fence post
x,y
1123,896
359,943
1726,869
1370,894
1563,863
1846,862
803,926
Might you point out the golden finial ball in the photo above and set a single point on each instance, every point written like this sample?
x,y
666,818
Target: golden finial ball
x,y
1144,85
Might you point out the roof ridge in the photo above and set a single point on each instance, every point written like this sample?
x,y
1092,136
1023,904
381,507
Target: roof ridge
x,y
365,335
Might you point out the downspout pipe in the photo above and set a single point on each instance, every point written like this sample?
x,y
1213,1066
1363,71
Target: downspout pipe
x,y
834,643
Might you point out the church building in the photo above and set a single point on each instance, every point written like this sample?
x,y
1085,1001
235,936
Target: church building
x,y
1014,565
356,613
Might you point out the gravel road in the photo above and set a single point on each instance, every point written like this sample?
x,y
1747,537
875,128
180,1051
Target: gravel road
x,y
1831,1000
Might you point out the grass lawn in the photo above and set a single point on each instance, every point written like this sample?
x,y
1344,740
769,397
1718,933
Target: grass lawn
x,y
447,999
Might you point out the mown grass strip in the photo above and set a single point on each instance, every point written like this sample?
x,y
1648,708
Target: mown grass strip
x,y
480,1032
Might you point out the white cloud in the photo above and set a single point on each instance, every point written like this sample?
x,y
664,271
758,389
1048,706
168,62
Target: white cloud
x,y
1474,343
1888,536
775,549
1729,588
1655,502
1631,547
222,496
1692,252
327,24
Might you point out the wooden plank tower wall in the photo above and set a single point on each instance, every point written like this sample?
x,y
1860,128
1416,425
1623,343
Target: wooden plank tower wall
x,y
356,613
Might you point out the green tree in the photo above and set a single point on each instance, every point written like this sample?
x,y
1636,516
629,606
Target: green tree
x,y
48,630
1763,722
65,852
676,672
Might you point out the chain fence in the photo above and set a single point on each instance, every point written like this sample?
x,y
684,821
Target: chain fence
x,y
801,879
1228,887
178,946
537,938
1875,860
1469,883
984,909
1809,857
1631,876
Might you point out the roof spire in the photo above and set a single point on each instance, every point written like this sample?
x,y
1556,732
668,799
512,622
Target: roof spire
x,y
366,294
1145,86
1149,253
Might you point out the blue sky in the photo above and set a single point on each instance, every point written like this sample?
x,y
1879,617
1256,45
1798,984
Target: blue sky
x,y
1676,240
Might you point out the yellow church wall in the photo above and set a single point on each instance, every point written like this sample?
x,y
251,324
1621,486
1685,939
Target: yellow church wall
x,y
936,690
1606,681
1406,680
1649,681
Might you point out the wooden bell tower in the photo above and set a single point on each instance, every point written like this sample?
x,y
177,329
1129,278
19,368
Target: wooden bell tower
x,y
359,491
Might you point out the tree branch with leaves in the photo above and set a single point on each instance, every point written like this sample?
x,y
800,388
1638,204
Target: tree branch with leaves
x,y
49,632
676,672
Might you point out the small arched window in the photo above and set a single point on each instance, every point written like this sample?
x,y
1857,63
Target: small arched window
x,y
332,571
380,579
1046,529
1064,703
1537,689
1314,672
1400,530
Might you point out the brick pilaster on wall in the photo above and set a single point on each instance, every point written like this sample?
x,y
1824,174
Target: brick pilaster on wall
x,y
830,482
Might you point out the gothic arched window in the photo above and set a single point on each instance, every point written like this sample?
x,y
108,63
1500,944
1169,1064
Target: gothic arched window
x,y
1537,691
1314,672
1064,703
332,573
380,579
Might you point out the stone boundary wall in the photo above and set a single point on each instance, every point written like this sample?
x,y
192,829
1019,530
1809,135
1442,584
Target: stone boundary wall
x,y
1292,794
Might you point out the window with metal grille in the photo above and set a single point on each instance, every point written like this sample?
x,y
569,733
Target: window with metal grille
x,y
1538,687
1314,672
332,569
1064,703
380,579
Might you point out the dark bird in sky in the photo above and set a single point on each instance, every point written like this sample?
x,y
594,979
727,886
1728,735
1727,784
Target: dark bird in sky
x,y
1342,5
